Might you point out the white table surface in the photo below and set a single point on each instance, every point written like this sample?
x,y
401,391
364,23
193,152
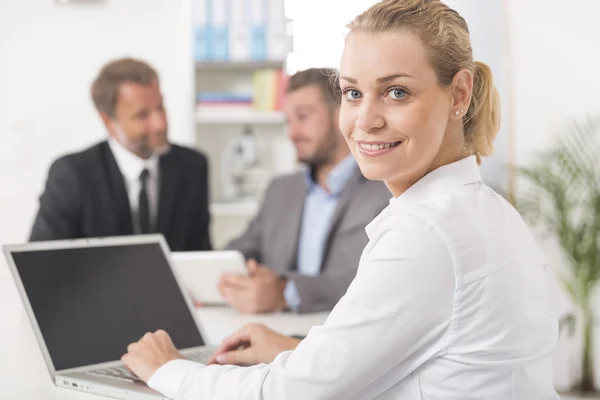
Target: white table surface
x,y
23,373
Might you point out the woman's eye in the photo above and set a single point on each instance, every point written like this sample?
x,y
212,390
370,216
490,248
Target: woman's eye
x,y
397,93
352,94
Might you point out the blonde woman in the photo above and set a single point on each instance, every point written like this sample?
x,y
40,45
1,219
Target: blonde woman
x,y
450,300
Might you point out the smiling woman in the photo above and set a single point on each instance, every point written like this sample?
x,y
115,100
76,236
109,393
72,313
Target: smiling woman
x,y
489,36
400,114
450,299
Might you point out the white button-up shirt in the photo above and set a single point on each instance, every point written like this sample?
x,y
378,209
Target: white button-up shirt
x,y
449,302
131,167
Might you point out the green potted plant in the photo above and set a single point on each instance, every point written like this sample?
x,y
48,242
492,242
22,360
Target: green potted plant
x,y
563,198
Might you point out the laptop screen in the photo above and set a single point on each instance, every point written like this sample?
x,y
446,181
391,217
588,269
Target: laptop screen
x,y
90,303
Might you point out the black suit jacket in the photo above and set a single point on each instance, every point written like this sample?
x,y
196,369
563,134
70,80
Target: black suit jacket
x,y
85,196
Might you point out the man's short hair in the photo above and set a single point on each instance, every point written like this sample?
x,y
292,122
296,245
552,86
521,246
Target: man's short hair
x,y
324,78
105,89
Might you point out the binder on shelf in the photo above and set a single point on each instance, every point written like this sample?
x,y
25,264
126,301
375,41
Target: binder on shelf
x,y
201,30
258,22
218,21
277,38
239,30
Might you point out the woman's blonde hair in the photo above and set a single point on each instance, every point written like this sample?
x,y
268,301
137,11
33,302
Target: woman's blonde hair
x,y
445,35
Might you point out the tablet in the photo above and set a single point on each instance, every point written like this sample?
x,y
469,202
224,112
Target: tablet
x,y
201,271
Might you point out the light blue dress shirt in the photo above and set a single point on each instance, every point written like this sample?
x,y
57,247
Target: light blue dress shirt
x,y
319,207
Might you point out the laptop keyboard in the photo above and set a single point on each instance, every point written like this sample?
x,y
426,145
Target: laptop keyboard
x,y
116,372
202,355
122,373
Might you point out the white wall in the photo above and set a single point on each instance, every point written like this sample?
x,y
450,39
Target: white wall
x,y
555,64
556,67
319,27
49,55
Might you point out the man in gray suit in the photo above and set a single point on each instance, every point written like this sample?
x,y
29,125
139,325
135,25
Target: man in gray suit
x,y
304,245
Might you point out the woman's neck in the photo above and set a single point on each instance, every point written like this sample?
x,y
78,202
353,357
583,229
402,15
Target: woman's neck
x,y
403,183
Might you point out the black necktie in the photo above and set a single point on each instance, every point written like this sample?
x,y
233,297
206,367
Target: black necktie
x,y
143,207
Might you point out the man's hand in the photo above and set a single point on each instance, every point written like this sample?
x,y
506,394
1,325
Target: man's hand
x,y
260,292
253,344
150,353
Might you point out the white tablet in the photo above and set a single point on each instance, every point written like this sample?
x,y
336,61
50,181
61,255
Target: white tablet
x,y
201,270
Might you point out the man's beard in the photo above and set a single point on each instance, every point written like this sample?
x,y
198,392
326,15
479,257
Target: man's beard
x,y
325,149
141,147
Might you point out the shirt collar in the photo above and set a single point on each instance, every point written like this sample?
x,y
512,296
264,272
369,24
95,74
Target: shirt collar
x,y
337,178
441,180
130,165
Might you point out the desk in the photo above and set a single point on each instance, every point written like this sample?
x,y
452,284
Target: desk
x,y
23,373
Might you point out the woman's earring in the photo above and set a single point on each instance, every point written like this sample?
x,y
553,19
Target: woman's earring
x,y
456,112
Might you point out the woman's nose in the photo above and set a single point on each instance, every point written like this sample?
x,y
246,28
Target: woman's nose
x,y
370,118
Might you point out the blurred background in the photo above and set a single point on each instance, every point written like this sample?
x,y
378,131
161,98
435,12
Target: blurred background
x,y
226,102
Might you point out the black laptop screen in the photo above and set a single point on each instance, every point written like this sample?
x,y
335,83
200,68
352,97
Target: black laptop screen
x,y
90,303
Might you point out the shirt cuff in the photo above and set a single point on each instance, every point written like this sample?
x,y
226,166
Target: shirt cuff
x,y
168,378
292,298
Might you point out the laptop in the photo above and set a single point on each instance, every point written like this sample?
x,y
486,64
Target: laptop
x,y
87,299
201,271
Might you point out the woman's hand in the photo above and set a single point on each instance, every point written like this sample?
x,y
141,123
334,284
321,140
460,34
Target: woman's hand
x,y
253,344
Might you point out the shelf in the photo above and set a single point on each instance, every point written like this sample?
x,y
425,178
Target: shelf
x,y
237,65
244,209
237,117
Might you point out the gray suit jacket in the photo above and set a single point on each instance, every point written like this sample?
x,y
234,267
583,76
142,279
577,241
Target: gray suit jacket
x,y
272,237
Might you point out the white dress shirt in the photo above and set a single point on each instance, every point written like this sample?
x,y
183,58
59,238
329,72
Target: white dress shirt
x,y
131,167
449,302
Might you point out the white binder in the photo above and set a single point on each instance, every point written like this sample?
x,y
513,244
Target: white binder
x,y
220,31
239,30
201,30
277,38
258,21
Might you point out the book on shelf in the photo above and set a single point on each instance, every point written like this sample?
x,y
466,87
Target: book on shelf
x,y
268,93
269,89
223,101
224,97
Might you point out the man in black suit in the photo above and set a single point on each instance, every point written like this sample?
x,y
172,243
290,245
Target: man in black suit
x,y
135,182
